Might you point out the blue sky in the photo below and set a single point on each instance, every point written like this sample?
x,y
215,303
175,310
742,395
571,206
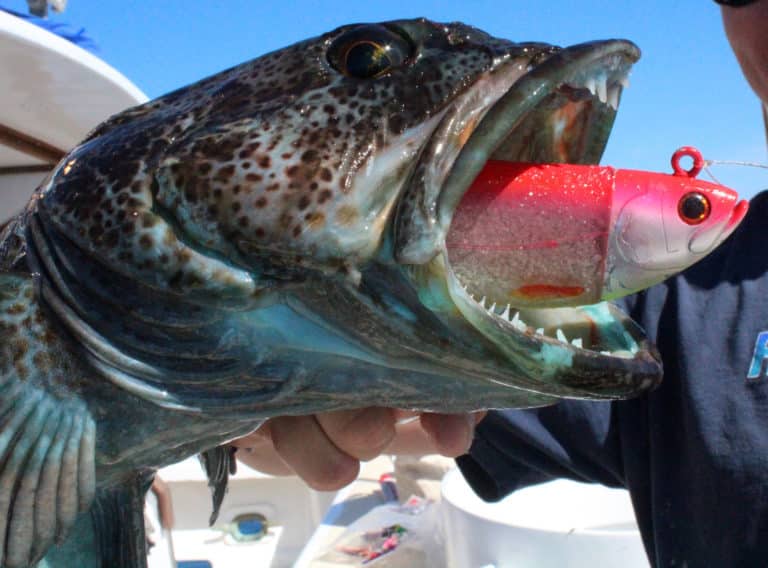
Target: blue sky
x,y
686,89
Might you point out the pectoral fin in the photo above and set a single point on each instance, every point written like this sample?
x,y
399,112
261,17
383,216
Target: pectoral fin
x,y
47,436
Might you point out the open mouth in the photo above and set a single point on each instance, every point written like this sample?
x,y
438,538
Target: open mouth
x,y
560,111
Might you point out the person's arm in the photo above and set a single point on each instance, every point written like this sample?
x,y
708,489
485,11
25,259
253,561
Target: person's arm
x,y
578,440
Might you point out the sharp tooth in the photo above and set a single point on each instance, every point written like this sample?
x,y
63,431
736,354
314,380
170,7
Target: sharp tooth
x,y
591,85
602,90
518,323
539,331
482,301
492,308
561,336
578,343
624,82
505,313
613,97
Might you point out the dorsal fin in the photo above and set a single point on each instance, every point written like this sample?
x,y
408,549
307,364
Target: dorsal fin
x,y
47,436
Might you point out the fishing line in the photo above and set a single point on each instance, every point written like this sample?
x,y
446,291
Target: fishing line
x,y
708,163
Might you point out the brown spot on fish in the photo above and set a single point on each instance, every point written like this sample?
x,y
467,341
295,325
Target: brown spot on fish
x,y
42,361
346,215
310,156
15,309
314,220
146,241
225,173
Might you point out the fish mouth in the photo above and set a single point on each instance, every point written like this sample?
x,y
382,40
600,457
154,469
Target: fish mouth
x,y
559,111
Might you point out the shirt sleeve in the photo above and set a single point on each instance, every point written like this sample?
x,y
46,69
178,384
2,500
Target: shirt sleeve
x,y
574,439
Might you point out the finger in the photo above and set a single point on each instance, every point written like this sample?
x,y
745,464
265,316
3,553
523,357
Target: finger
x,y
303,444
451,433
362,433
257,451
258,437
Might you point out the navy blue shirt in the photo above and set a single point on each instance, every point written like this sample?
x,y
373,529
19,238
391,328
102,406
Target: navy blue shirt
x,y
694,452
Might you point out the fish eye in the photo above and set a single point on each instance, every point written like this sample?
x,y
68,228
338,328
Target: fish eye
x,y
694,208
368,52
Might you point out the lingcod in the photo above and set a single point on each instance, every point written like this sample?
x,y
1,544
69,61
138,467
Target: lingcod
x,y
271,241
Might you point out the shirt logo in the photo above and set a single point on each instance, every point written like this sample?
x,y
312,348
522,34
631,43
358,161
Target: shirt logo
x,y
759,366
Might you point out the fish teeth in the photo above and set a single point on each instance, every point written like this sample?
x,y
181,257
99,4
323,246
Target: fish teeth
x,y
505,313
561,336
613,96
591,84
492,309
518,323
602,90
624,81
539,331
578,343
482,301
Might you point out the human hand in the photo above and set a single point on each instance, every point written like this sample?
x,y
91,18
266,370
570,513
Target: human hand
x,y
326,449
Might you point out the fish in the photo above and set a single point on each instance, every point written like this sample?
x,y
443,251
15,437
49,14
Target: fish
x,y
528,235
271,241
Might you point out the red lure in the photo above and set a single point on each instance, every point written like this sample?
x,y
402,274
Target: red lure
x,y
533,234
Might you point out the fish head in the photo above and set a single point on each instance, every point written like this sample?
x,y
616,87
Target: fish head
x,y
294,209
663,224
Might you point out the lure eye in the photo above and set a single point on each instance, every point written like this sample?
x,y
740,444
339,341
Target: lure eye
x,y
368,52
694,208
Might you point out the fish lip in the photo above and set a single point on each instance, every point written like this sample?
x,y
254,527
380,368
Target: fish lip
x,y
737,216
571,74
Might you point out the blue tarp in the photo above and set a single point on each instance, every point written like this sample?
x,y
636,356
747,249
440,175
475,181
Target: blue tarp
x,y
67,31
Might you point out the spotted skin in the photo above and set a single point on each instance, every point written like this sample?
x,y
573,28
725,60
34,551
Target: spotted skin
x,y
265,159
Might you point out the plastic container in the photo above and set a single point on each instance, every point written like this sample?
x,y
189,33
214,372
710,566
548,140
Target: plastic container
x,y
560,524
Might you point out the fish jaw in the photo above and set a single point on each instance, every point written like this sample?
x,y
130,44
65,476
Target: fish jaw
x,y
560,110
